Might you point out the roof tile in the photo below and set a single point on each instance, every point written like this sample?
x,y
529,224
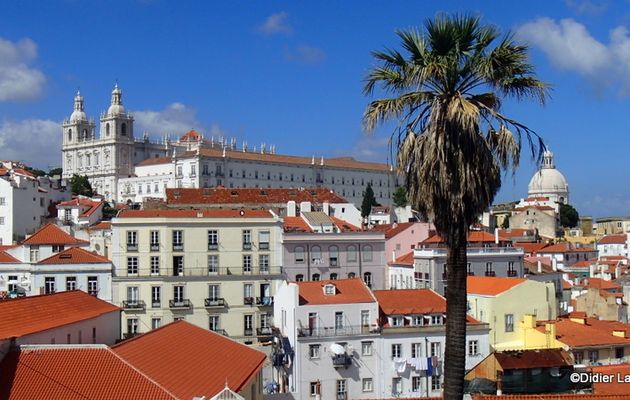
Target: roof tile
x,y
75,255
250,196
347,291
410,301
52,234
491,286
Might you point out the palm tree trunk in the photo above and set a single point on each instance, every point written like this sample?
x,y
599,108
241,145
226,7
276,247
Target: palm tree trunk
x,y
456,307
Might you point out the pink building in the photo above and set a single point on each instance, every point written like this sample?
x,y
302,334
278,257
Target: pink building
x,y
401,238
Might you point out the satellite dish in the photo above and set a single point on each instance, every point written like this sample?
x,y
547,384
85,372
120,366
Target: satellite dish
x,y
337,349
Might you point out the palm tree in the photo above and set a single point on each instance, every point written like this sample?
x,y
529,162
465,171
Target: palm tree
x,y
453,142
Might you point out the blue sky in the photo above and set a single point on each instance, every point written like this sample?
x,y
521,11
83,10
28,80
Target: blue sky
x,y
290,74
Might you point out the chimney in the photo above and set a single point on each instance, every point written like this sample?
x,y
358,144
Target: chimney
x,y
550,330
539,266
529,321
554,263
305,206
591,271
496,235
291,208
393,255
326,208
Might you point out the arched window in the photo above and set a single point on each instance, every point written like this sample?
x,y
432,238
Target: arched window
x,y
367,278
85,134
333,255
299,278
316,277
352,275
299,254
351,253
69,135
316,255
333,277
107,129
123,129
367,253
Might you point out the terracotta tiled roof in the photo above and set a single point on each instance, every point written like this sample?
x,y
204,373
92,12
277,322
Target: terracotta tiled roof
x,y
347,291
532,264
27,315
93,205
7,247
73,373
105,225
190,136
7,258
515,233
594,333
250,196
295,224
613,239
538,207
491,286
345,226
565,248
154,161
549,396
614,387
405,259
473,237
599,283
583,264
75,255
52,234
190,361
525,359
21,171
206,213
392,230
537,198
410,301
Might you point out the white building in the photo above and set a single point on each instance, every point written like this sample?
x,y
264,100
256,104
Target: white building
x,y
613,245
339,340
549,182
24,202
80,212
120,166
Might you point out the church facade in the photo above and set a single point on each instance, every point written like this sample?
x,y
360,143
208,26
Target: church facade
x,y
124,168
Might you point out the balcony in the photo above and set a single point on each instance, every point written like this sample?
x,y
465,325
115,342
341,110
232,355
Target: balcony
x,y
179,304
247,246
132,246
263,245
213,246
156,304
155,247
220,331
264,332
342,396
129,335
248,301
470,251
264,301
214,302
333,262
342,360
133,305
331,331
248,332
178,246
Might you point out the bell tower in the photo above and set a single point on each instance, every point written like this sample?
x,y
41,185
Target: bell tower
x,y
77,132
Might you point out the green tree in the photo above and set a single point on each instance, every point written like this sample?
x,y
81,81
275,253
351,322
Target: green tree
x,y
35,171
55,171
369,200
400,197
444,90
80,185
569,217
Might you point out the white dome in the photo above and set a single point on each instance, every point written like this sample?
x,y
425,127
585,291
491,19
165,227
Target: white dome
x,y
116,109
117,106
549,182
78,115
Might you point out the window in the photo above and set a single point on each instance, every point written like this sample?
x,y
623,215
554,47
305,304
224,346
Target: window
x,y
578,356
178,265
415,384
132,241
416,350
509,322
366,384
313,351
333,255
248,293
213,240
178,293
511,271
193,169
247,263
435,383
396,350
396,386
263,240
593,356
2,201
316,255
489,271
329,289
351,253
469,270
619,353
333,276
71,283
156,296
263,263
179,171
367,253
132,265
92,285
473,347
57,248
34,253
315,388
133,294
352,275
248,325
247,239
213,322
155,240
156,322
436,349
299,254
155,265
366,348
213,264
367,278
299,278
49,284
339,320
178,240
437,319
341,389
316,277
397,320
132,326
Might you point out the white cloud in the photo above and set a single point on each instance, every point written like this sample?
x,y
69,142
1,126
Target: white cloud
x,y
36,142
586,6
175,120
571,47
276,24
368,148
18,81
304,54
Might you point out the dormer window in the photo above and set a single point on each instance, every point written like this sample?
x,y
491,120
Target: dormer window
x,y
329,289
397,320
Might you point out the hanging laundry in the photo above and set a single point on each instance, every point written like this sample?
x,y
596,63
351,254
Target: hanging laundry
x,y
400,365
429,367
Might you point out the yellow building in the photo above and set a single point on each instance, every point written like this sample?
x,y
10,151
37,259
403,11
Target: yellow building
x,y
504,303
